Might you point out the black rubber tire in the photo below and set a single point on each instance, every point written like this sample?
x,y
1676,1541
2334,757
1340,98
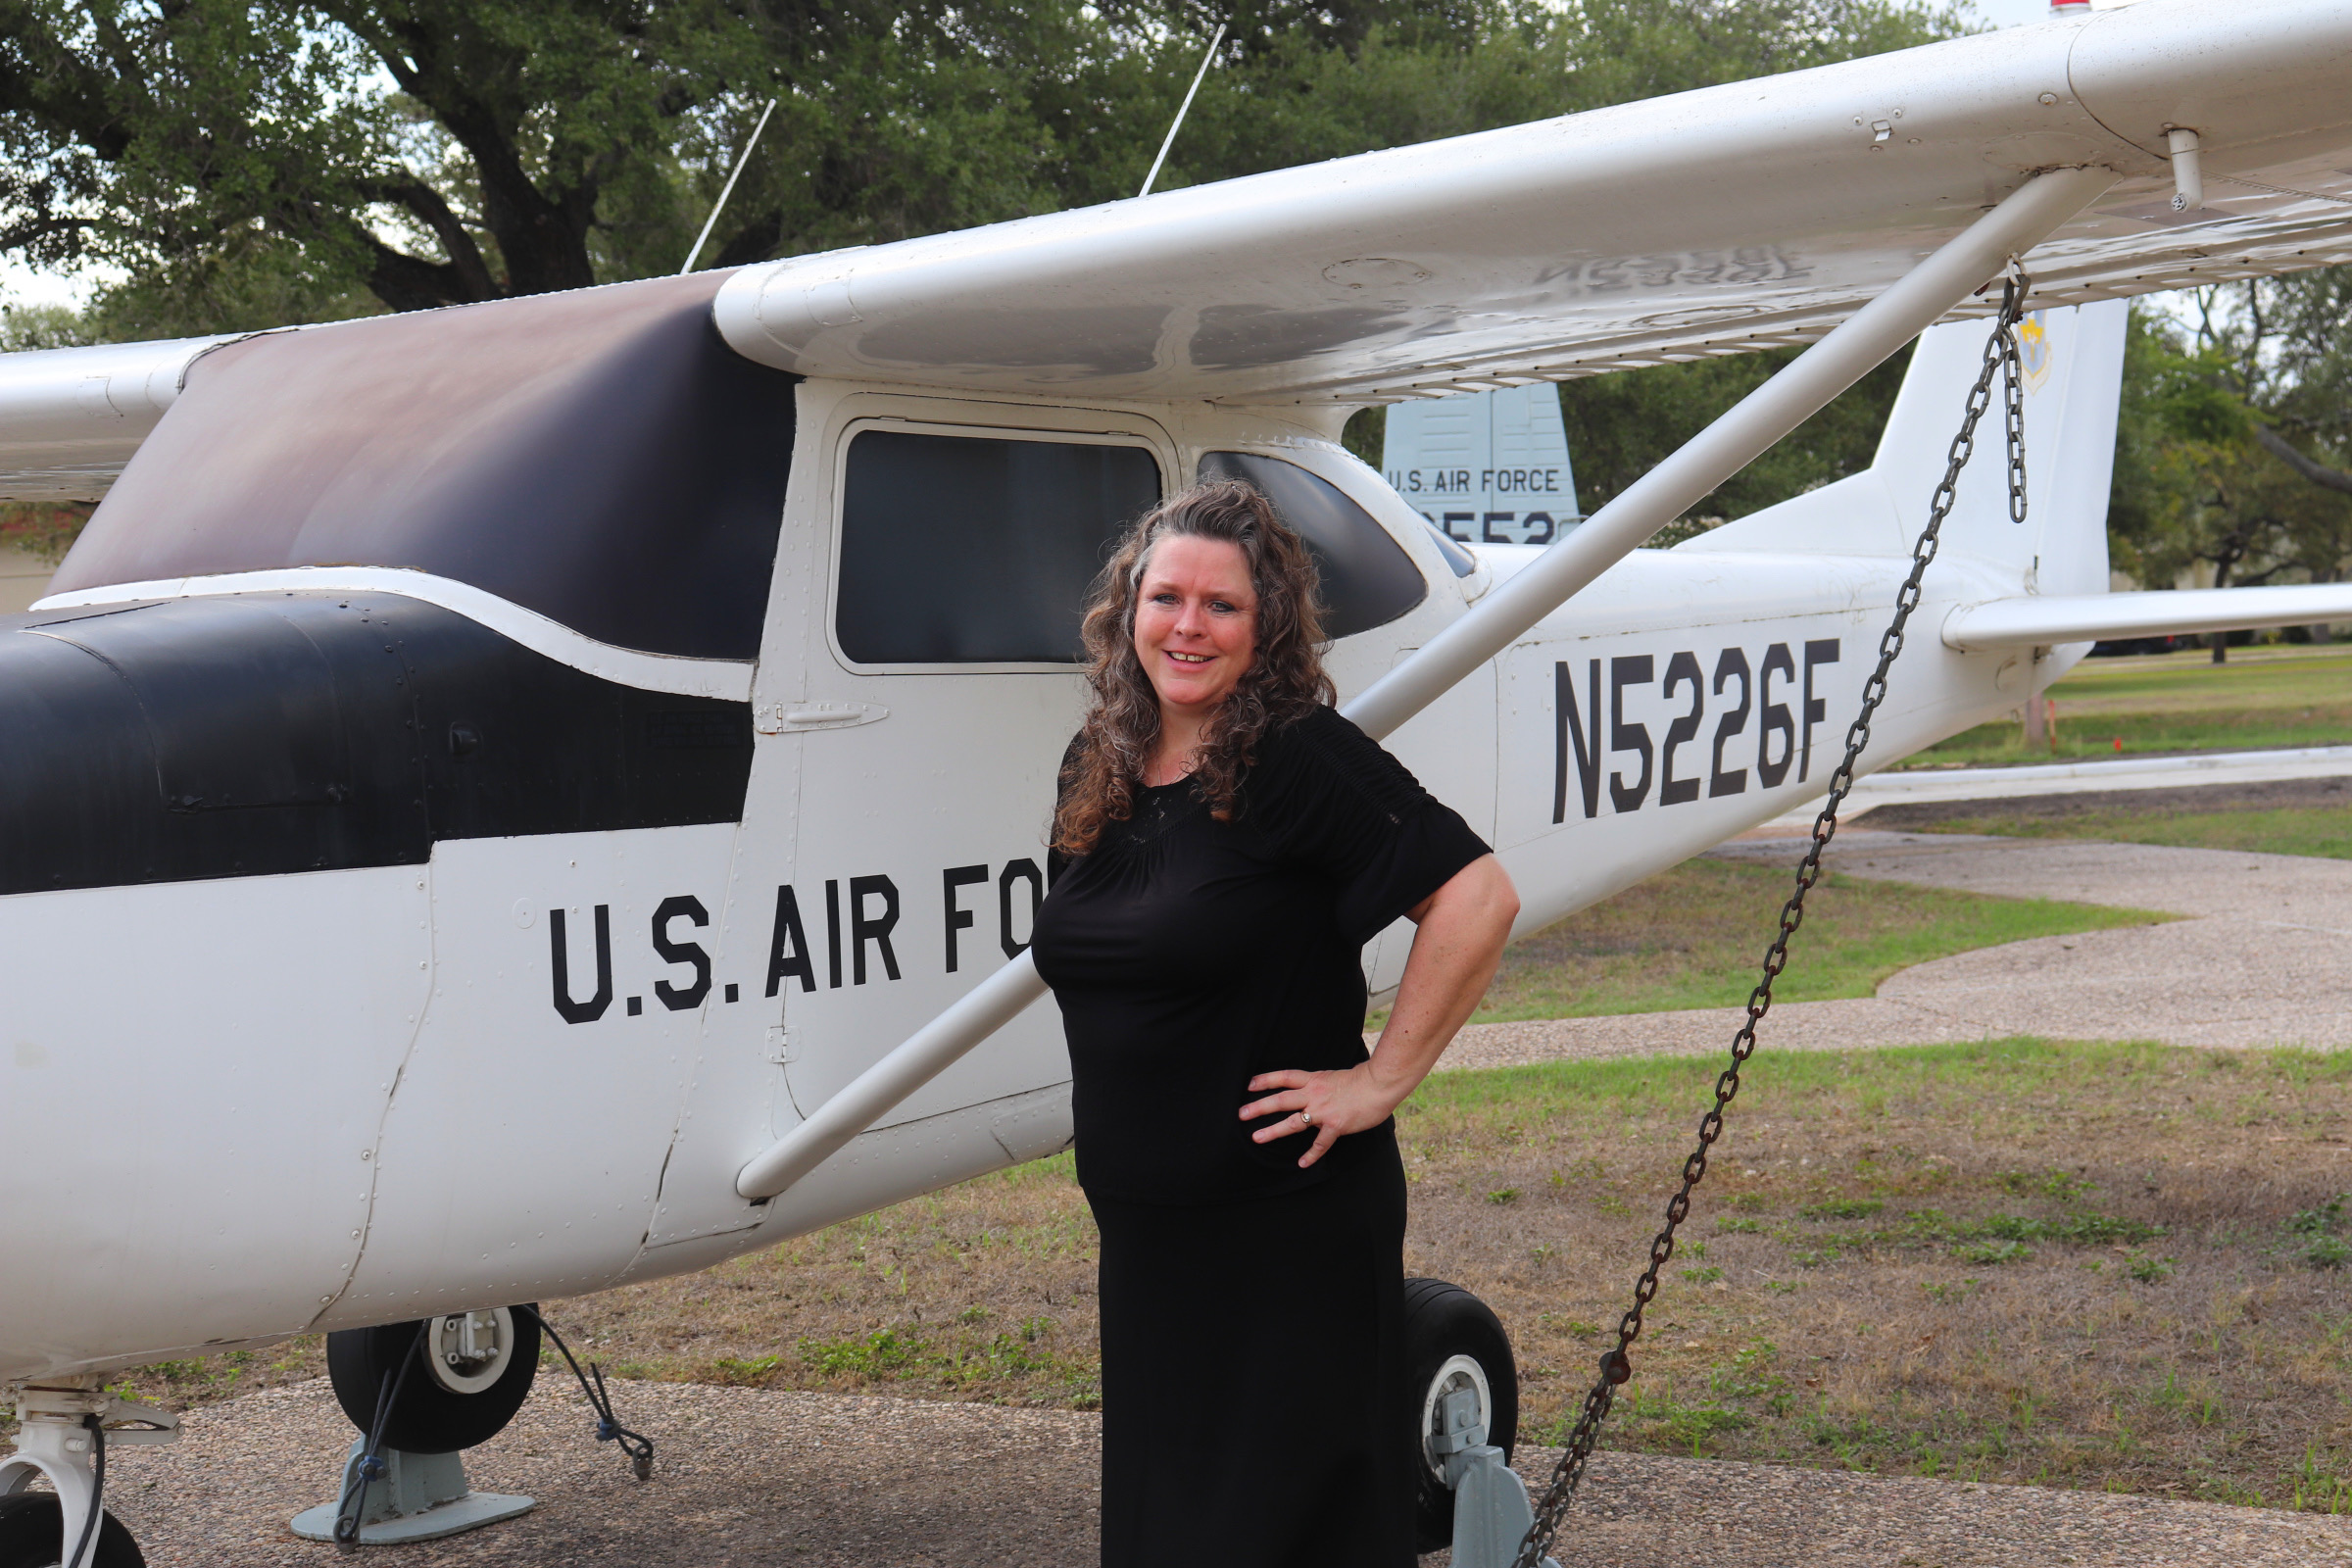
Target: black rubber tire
x,y
32,1538
427,1418
1440,1322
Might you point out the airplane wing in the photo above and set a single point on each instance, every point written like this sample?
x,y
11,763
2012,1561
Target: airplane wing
x,y
1717,221
69,418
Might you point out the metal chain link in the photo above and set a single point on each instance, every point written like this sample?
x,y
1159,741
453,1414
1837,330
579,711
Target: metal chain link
x,y
1616,1366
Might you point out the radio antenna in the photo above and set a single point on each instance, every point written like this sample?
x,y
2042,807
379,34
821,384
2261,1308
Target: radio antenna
x,y
728,189
1182,110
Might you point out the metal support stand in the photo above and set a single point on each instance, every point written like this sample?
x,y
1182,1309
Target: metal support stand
x,y
1491,1511
417,1496
54,1442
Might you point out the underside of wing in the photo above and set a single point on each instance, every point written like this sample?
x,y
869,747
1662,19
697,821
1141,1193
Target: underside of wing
x,y
1716,222
69,418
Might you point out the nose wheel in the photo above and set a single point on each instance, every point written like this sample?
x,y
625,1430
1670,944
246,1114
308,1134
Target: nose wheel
x,y
33,1535
63,1433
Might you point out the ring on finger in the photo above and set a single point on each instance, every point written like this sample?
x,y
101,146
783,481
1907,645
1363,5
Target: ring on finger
x,y
1306,1118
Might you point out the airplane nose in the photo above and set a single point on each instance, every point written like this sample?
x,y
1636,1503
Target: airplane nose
x,y
192,739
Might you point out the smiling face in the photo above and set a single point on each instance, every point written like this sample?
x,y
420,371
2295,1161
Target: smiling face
x,y
1196,622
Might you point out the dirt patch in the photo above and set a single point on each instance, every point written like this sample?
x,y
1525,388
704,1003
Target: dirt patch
x,y
2280,817
2111,1267
2267,795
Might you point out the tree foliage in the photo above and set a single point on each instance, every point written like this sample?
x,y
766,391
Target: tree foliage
x,y
242,163
1621,426
2235,437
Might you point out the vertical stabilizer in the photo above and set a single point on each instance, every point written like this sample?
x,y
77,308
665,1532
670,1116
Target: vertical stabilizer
x,y
2074,375
2074,367
1486,467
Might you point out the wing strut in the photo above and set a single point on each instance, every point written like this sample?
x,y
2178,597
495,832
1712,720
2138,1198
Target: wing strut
x,y
1941,282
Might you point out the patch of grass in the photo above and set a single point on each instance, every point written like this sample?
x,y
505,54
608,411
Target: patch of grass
x,y
1922,1230
1689,937
1990,1252
2317,831
2061,1184
2215,1369
2177,703
2322,1245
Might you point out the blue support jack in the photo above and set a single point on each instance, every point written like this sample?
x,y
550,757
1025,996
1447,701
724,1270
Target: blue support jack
x,y
417,1496
1491,1511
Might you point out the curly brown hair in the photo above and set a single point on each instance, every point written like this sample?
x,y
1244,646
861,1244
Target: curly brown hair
x,y
1284,682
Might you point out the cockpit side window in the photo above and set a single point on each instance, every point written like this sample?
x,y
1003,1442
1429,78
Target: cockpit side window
x,y
978,550
599,456
1368,580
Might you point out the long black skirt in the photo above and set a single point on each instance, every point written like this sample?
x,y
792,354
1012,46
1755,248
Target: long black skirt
x,y
1254,1408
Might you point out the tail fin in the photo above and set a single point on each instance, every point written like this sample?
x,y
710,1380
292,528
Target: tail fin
x,y
2073,365
1486,468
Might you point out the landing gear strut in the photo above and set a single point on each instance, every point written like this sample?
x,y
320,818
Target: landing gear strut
x,y
62,1435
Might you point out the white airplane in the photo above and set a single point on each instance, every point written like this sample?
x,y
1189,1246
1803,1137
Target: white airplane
x,y
509,800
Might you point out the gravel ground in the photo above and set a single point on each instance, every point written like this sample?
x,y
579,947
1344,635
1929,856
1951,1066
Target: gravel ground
x,y
747,1477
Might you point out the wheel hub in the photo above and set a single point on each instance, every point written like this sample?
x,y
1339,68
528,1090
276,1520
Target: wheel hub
x,y
468,1351
1456,1374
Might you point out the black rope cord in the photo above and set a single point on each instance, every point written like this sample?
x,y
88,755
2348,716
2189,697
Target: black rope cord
x,y
636,1445
1616,1366
370,1467
96,1428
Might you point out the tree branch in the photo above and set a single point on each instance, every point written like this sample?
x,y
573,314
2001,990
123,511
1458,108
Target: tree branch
x,y
2318,473
466,263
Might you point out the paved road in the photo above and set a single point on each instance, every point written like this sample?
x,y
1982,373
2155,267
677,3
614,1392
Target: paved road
x,y
2265,958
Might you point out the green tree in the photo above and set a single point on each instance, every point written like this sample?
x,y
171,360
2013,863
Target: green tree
x,y
237,155
1622,424
2232,434
247,162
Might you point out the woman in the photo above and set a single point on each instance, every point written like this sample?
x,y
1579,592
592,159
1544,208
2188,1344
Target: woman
x,y
1223,846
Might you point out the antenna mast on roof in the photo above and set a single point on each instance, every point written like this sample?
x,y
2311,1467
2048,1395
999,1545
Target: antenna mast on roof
x,y
728,189
1183,108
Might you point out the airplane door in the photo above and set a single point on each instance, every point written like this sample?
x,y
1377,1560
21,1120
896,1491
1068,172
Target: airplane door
x,y
961,557
916,687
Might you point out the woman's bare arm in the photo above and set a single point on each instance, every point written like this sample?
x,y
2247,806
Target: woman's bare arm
x,y
1463,926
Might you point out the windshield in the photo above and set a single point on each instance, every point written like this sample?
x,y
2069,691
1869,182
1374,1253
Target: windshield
x,y
601,457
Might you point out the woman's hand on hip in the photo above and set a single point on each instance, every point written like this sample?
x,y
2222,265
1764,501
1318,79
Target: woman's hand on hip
x,y
1329,1105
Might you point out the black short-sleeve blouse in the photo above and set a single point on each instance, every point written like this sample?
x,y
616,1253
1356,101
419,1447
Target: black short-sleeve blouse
x,y
1190,955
